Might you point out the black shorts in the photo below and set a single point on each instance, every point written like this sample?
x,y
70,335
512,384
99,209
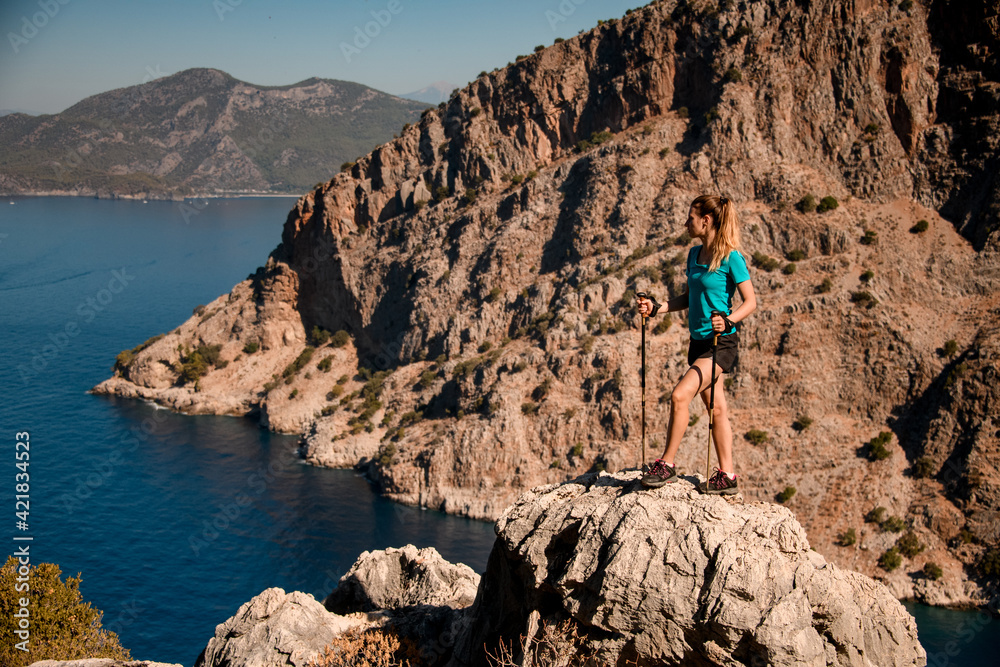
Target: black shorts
x,y
726,355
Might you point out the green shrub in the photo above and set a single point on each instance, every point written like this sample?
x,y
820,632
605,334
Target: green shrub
x,y
827,203
469,196
250,347
932,571
847,538
825,286
733,74
893,525
62,626
529,408
494,295
924,467
386,454
765,262
665,151
755,437
989,564
305,356
336,392
890,560
442,193
950,348
427,378
340,339
877,446
877,515
319,336
864,298
662,325
742,31
872,128
867,276
682,112
578,450
598,138
789,269
807,204
346,166
870,237
795,255
325,364
802,422
909,544
786,495
920,227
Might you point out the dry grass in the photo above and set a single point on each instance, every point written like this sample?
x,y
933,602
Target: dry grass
x,y
376,647
554,646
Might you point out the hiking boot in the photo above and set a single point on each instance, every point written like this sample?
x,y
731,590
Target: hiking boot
x,y
719,484
659,474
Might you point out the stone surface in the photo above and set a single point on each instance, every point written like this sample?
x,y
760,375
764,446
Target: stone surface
x,y
675,577
502,316
398,578
275,629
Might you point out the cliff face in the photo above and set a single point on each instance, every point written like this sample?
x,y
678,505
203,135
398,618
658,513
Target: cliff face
x,y
483,264
197,131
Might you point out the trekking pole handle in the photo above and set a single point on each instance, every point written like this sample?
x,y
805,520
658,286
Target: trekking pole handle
x,y
647,295
729,325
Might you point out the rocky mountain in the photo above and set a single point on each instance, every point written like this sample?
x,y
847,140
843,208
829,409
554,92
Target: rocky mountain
x,y
596,571
482,267
198,132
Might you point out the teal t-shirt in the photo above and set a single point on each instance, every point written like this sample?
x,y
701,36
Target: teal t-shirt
x,y
712,290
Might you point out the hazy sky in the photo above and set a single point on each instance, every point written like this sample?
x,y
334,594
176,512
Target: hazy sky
x,y
57,52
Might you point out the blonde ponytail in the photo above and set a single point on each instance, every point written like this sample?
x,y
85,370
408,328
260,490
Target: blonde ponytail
x,y
726,223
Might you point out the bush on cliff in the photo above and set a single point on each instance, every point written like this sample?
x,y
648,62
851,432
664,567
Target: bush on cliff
x,y
377,647
62,626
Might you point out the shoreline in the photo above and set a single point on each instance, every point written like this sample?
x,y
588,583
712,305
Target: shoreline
x,y
178,199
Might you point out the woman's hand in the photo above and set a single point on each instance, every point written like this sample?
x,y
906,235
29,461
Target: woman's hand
x,y
644,305
719,324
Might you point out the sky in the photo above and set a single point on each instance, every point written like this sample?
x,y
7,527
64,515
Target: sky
x,y
57,52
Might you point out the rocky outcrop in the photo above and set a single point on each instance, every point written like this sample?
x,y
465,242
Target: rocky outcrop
x,y
275,629
399,578
600,568
483,264
412,592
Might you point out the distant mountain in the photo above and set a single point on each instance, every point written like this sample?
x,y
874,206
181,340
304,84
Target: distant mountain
x,y
435,93
198,132
7,112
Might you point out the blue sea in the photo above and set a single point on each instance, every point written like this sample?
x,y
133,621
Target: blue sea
x,y
175,521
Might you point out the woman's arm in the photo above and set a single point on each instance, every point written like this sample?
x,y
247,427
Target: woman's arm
x,y
679,302
749,304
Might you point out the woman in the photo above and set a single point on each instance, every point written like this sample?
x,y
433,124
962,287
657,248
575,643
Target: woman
x,y
715,272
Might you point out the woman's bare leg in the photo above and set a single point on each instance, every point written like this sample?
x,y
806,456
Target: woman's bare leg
x,y
722,430
693,382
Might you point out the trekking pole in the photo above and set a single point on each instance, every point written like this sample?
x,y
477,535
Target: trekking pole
x,y
642,375
711,404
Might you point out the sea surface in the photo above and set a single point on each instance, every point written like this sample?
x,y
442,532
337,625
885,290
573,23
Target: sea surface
x,y
175,521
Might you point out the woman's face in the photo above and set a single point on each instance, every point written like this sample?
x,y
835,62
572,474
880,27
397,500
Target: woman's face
x,y
697,225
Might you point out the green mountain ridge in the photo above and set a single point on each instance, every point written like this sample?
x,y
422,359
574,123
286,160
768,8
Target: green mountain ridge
x,y
198,132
